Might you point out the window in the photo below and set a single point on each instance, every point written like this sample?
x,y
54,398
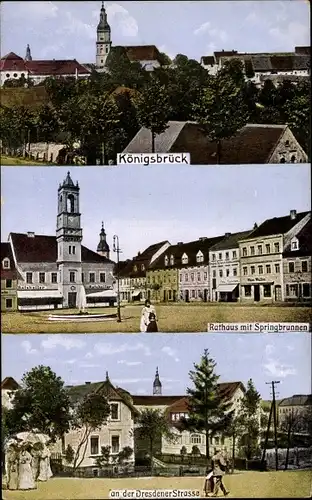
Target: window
x,y
282,160
234,271
171,260
181,277
41,277
186,276
53,277
196,439
291,267
205,275
252,250
102,277
8,303
184,259
69,249
227,272
260,269
74,250
92,277
267,248
294,244
115,444
220,273
276,247
72,277
247,289
306,290
82,277
213,256
193,294
214,273
6,263
293,290
304,266
245,252
259,249
234,253
252,269
169,295
227,255
29,278
94,445
277,268
217,441
266,290
198,277
245,271
166,260
114,411
268,269
8,283
200,257
220,256
15,75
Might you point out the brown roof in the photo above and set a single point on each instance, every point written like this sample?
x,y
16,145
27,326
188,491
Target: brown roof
x,y
207,60
305,243
277,225
303,50
134,267
230,241
280,62
254,143
226,53
9,383
41,248
6,252
155,400
12,61
142,53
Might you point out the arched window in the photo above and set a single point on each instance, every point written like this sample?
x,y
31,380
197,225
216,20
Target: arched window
x,y
282,160
70,203
293,159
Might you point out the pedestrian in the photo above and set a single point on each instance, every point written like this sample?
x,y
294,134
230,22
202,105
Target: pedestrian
x,y
148,318
209,483
219,469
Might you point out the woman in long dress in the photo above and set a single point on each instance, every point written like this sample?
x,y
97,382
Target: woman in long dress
x,y
26,479
148,318
44,465
12,466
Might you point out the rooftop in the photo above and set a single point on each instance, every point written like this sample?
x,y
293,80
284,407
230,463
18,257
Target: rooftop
x,y
278,225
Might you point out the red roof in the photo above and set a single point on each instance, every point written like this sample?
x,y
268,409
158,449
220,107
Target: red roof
x,y
143,53
9,384
12,62
40,248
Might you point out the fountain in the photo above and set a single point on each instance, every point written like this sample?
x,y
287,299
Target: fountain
x,y
83,315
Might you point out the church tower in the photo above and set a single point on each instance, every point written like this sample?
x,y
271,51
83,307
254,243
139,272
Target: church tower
x,y
157,384
103,247
69,237
103,40
28,54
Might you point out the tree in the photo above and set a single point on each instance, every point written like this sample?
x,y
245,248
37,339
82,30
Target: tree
x,y
152,426
124,455
297,116
183,452
41,403
208,412
249,421
88,415
153,109
69,454
220,109
103,460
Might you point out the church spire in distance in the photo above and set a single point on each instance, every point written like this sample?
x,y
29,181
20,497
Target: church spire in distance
x,y
28,54
157,384
103,246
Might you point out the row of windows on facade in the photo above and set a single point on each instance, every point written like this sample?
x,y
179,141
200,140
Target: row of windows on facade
x,y
268,268
252,249
72,277
293,290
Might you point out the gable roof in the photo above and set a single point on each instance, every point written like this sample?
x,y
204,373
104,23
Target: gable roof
x,y
190,249
230,241
6,252
142,259
297,400
142,53
12,61
77,392
9,383
280,62
252,144
305,243
207,60
41,248
277,225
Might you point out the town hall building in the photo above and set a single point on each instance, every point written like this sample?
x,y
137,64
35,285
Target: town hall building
x,y
58,271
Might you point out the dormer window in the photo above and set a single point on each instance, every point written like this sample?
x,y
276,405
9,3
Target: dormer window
x,y
6,263
135,268
294,244
184,259
171,260
166,260
200,256
142,267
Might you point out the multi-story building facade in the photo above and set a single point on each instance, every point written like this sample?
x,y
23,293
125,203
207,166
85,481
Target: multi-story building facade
x,y
54,271
297,269
224,268
261,257
8,279
298,409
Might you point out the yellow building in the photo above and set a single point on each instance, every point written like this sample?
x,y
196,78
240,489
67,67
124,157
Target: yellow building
x,y
8,279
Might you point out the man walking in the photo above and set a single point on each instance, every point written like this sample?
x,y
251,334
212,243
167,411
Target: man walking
x,y
219,468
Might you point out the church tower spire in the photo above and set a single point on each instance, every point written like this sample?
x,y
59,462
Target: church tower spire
x,y
103,40
28,54
103,247
69,238
157,384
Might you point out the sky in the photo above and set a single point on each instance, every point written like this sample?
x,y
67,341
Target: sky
x,y
131,360
67,30
146,205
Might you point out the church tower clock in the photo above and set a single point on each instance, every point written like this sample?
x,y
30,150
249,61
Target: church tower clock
x,y
103,40
69,237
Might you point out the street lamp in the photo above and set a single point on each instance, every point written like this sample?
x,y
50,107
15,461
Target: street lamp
x,y
117,250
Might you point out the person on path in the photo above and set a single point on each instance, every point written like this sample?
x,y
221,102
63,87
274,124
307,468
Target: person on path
x,y
219,468
148,318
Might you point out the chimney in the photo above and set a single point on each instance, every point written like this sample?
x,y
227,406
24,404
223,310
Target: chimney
x,y
255,226
180,243
293,214
227,235
87,383
30,234
202,238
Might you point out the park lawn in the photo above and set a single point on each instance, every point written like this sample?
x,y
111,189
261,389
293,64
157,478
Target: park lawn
x,y
182,318
12,161
289,484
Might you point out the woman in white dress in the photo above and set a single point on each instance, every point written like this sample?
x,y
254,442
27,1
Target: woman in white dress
x,y
44,465
148,315
26,479
12,465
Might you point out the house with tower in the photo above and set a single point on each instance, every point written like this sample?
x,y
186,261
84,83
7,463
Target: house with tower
x,y
54,271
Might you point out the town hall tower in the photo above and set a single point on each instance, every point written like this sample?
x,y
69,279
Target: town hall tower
x,y
103,40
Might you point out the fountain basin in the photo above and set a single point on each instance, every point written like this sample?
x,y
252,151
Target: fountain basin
x,y
80,318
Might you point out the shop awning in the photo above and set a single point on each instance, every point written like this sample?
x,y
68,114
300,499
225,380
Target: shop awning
x,y
103,293
39,294
228,287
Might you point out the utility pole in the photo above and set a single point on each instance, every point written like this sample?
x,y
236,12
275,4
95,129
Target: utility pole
x,y
116,249
273,383
267,436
